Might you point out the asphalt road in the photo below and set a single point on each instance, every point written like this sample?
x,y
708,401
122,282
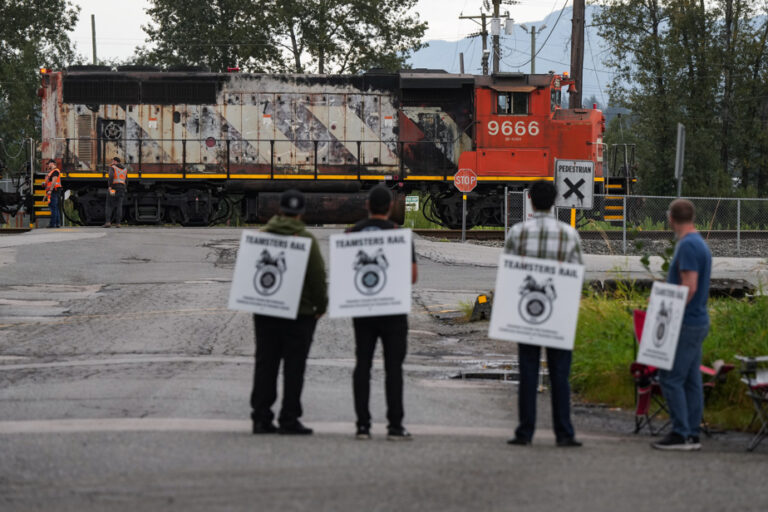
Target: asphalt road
x,y
124,385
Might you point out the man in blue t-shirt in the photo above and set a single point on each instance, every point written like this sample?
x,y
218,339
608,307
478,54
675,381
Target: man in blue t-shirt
x,y
682,387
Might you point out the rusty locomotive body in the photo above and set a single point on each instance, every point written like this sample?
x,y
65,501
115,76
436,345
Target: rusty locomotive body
x,y
200,146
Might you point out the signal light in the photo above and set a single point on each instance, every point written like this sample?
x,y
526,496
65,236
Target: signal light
x,y
44,71
235,69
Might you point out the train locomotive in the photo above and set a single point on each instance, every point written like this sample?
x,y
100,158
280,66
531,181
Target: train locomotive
x,y
201,146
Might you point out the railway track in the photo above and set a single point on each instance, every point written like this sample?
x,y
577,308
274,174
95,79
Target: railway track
x,y
498,234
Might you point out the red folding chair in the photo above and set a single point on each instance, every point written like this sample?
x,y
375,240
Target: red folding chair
x,y
648,390
649,401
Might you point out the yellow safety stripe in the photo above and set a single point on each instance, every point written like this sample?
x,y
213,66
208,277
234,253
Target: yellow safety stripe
x,y
613,198
614,207
44,213
364,177
85,175
39,192
615,186
41,204
613,217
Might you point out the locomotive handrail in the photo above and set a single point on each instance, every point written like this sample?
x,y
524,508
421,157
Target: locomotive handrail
x,y
71,158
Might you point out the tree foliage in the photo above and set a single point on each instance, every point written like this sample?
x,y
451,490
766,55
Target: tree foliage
x,y
702,64
315,36
33,34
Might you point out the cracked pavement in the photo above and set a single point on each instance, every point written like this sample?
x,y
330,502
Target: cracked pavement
x,y
124,383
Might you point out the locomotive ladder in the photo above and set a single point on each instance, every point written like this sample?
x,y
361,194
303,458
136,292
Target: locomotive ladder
x,y
616,189
42,209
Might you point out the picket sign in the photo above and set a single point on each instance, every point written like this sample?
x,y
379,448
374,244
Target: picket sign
x,y
663,322
370,273
536,301
269,274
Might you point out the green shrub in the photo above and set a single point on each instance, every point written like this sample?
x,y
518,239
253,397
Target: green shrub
x,y
605,348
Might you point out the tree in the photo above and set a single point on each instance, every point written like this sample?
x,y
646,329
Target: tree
x,y
702,64
216,34
273,35
340,36
33,34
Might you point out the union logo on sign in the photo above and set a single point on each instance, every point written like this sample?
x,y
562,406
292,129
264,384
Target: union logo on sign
x,y
465,180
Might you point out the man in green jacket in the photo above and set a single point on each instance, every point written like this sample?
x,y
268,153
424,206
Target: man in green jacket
x,y
285,339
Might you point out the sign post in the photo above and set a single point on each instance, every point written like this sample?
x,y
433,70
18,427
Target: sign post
x,y
680,157
465,180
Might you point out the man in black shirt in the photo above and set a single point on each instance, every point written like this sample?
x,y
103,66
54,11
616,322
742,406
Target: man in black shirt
x,y
393,331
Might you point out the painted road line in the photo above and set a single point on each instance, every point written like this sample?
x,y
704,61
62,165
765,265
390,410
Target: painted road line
x,y
93,425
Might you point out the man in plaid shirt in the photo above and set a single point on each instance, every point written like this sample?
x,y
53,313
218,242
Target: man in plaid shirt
x,y
547,238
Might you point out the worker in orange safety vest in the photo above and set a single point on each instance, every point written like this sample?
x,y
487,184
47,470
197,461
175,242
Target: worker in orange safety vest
x,y
53,194
118,182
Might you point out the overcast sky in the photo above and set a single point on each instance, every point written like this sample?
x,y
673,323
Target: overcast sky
x,y
118,22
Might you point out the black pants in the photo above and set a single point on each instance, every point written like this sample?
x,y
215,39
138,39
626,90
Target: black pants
x,y
393,331
559,365
287,340
115,204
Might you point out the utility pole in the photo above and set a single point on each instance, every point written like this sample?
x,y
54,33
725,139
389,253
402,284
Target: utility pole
x,y
483,34
461,62
93,37
577,52
533,44
496,42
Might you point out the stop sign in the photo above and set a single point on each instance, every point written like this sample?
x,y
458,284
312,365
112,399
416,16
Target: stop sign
x,y
465,180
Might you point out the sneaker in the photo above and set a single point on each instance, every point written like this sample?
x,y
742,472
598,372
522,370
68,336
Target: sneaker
x,y
398,434
519,441
107,225
363,433
117,225
695,442
264,428
294,429
673,441
568,442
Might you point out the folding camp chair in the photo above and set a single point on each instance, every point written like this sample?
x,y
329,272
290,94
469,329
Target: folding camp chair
x,y
754,373
648,393
649,401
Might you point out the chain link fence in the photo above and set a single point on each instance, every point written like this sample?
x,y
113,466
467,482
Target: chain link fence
x,y
618,224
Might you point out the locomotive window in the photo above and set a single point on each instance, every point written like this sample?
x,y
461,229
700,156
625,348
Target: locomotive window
x,y
512,103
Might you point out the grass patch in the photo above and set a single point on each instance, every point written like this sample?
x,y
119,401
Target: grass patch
x,y
605,347
416,219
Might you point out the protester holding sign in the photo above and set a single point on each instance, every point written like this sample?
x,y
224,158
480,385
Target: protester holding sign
x,y
286,339
393,331
682,387
544,237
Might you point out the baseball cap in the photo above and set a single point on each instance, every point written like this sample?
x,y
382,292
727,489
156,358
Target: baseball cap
x,y
292,202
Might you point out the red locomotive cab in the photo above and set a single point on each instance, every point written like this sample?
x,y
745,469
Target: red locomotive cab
x,y
521,129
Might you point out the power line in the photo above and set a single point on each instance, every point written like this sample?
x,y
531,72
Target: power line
x,y
597,78
562,10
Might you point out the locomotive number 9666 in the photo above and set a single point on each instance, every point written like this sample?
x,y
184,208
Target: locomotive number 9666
x,y
519,128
